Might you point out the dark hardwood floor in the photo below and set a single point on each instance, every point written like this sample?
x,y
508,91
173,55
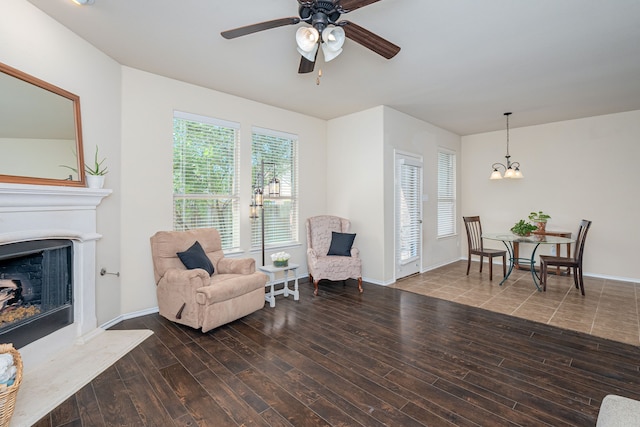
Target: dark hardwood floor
x,y
384,358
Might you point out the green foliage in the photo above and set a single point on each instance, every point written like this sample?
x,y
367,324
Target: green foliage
x,y
95,169
204,167
539,216
523,228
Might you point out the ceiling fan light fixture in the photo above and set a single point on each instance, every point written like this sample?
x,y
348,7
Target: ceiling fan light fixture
x,y
333,40
307,38
329,53
310,55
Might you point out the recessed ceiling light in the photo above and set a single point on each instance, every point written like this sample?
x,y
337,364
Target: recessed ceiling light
x,y
83,2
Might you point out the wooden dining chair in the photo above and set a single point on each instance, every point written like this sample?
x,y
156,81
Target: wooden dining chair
x,y
574,262
474,243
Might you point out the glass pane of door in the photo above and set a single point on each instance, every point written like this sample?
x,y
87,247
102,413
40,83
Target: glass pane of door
x,y
408,215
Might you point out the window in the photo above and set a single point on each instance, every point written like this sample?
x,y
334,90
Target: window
x,y
279,152
205,176
446,193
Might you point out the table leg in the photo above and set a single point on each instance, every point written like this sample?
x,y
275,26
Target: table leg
x,y
285,289
511,261
296,293
534,273
270,297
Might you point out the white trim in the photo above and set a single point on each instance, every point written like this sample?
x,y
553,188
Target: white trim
x,y
205,119
274,133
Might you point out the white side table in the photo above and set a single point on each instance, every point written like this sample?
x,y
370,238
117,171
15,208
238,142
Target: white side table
x,y
271,271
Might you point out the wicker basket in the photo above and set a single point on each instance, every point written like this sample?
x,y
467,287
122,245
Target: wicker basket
x,y
8,395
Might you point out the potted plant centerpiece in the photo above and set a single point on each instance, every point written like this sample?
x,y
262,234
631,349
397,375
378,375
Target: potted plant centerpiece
x,y
540,219
280,259
523,228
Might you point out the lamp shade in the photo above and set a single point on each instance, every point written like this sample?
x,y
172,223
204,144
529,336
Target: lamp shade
x,y
307,41
333,40
495,174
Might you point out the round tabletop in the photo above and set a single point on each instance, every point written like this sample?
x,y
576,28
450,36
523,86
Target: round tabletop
x,y
533,238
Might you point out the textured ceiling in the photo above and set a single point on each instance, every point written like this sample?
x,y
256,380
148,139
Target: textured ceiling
x,y
463,63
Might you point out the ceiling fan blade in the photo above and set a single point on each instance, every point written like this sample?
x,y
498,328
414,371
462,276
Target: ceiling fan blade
x,y
349,5
306,66
369,40
261,26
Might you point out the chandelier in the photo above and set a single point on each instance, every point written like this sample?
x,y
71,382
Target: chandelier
x,y
512,169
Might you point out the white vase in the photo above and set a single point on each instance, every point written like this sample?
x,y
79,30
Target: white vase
x,y
95,181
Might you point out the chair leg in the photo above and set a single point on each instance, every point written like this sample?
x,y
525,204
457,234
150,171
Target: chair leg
x,y
575,277
360,284
315,288
504,266
468,263
481,262
490,268
543,276
578,271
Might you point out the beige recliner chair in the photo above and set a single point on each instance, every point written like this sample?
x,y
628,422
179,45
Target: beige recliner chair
x,y
194,297
329,252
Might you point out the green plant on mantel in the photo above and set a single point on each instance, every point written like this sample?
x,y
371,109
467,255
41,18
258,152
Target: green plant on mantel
x,y
523,228
95,169
539,216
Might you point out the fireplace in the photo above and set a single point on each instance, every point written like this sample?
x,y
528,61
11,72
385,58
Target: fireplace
x,y
48,234
36,289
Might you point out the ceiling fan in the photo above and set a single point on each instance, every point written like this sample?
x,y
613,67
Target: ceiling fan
x,y
325,31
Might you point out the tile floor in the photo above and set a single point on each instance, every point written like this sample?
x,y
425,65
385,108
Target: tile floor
x,y
609,308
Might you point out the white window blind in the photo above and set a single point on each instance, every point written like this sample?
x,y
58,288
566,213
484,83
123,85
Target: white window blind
x,y
409,211
279,152
446,193
205,176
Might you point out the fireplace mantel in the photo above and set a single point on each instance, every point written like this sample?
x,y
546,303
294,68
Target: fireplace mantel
x,y
20,197
32,212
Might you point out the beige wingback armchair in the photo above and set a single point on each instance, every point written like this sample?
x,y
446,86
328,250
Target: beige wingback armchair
x,y
320,230
195,298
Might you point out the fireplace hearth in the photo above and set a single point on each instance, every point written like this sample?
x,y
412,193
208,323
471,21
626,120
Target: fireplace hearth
x,y
36,289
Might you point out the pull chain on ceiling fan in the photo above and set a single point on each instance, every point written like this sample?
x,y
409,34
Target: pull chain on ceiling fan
x,y
325,32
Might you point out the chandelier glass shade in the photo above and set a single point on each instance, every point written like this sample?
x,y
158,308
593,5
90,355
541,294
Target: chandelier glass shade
x,y
511,169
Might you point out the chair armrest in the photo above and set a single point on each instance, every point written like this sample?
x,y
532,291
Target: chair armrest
x,y
236,266
355,252
181,277
312,254
176,292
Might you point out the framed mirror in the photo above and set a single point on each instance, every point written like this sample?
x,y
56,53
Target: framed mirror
x,y
40,132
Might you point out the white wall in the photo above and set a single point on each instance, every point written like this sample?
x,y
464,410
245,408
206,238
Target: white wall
x,y
360,184
147,152
576,169
408,134
36,44
355,181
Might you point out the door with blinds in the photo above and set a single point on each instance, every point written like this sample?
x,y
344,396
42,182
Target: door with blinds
x,y
408,214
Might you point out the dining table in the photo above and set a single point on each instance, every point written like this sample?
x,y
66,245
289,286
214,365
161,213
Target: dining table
x,y
508,239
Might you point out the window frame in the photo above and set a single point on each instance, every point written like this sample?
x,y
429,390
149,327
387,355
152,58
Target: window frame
x,y
289,188
229,234
447,193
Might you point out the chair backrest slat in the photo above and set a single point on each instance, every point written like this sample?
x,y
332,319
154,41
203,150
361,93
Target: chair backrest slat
x,y
580,239
474,232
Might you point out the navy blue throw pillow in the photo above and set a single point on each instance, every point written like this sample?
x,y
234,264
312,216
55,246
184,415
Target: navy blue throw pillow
x,y
341,243
195,257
